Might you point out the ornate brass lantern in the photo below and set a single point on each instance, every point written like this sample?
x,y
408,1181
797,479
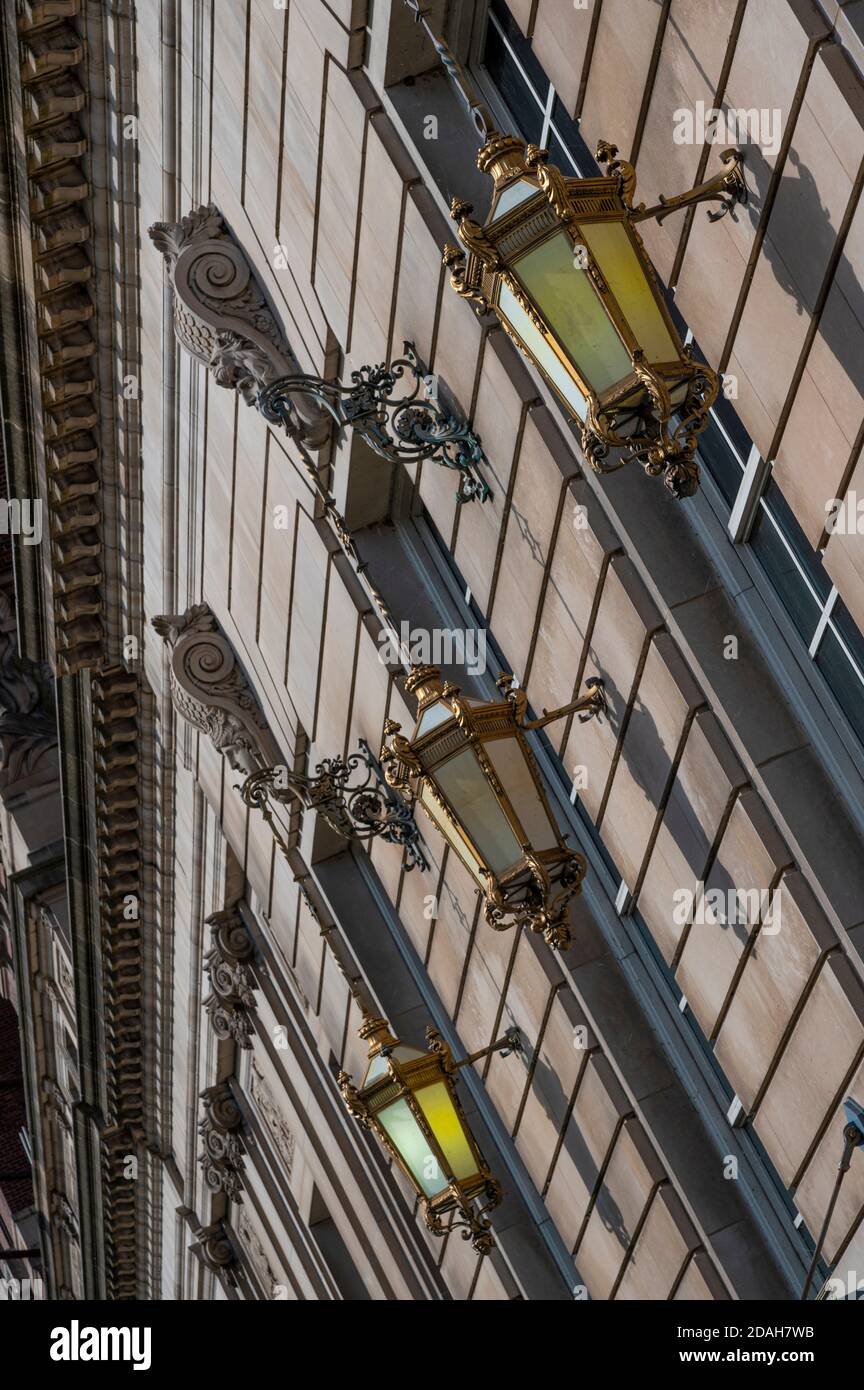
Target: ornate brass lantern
x,y
469,764
560,262
408,1098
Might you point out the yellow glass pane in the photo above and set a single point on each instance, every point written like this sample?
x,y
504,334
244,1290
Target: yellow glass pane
x,y
451,835
443,1120
516,777
542,352
474,804
569,304
406,1136
622,270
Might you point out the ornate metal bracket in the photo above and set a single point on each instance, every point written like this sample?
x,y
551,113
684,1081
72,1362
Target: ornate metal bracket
x,y
400,427
507,1044
726,187
364,811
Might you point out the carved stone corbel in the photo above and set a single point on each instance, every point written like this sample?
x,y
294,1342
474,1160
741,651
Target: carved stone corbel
x,y
216,1252
222,1160
231,980
222,318
210,689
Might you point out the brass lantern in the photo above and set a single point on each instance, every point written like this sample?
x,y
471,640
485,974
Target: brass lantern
x,y
560,262
408,1098
470,765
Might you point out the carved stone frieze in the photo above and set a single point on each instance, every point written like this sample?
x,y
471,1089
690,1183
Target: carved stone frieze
x,y
272,1116
210,689
232,983
222,1158
221,314
257,1256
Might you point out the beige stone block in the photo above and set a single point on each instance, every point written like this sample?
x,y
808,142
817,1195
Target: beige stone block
x,y
457,349
813,1192
344,137
824,1046
490,1284
309,956
632,1174
561,34
599,1106
377,252
311,565
340,638
694,47
424,233
772,50
665,1241
700,1282
583,542
478,1008
625,618
451,933
498,420
459,1267
818,439
749,858
706,779
774,978
624,44
528,534
666,696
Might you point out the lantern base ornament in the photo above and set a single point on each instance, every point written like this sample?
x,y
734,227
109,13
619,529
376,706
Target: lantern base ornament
x,y
364,811
404,427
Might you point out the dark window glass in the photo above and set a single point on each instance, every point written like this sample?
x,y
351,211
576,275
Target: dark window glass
x,y
562,156
511,85
843,680
784,575
842,619
568,133
718,460
521,47
730,422
809,559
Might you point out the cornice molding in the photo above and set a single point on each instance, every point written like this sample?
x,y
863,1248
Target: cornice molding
x,y
209,689
222,318
54,95
115,710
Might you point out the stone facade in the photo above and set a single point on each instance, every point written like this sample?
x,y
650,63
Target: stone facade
x,y
214,597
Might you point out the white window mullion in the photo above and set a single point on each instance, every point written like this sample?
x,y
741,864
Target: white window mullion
x,y
749,495
823,621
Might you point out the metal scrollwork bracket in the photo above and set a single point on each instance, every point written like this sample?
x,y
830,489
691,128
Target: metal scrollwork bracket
x,y
361,810
401,425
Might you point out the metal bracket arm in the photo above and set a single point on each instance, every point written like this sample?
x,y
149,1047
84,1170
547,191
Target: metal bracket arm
x,y
727,188
594,704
